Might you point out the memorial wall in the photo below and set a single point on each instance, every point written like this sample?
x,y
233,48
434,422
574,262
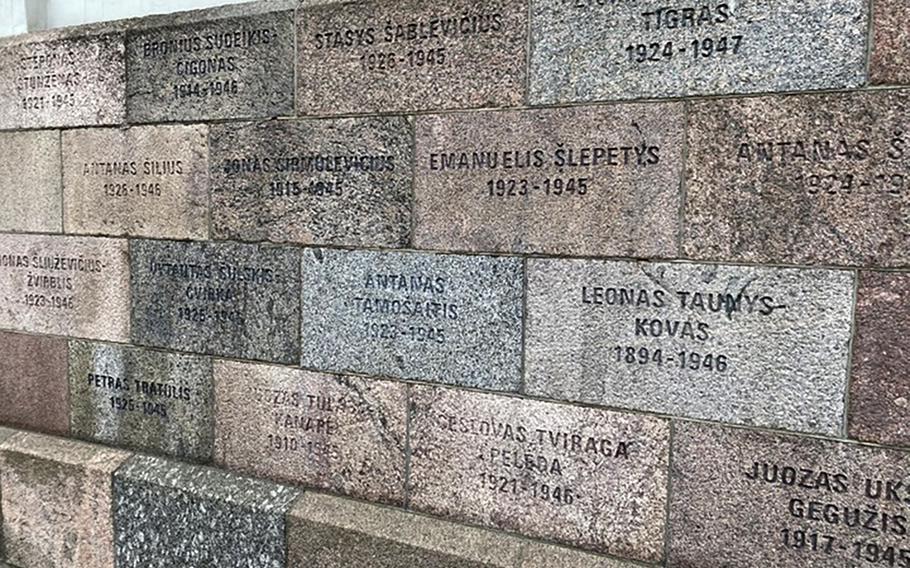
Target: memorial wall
x,y
508,283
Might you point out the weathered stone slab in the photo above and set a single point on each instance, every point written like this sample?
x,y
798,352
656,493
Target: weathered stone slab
x,y
744,499
890,58
331,532
342,182
30,182
343,434
142,399
384,55
583,180
33,386
147,181
223,299
230,68
590,478
172,514
441,318
800,180
880,381
588,50
56,501
75,286
77,81
749,345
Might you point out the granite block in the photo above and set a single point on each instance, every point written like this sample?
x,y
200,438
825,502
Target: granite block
x,y
143,182
880,381
800,180
582,180
590,478
169,514
224,299
56,502
331,182
743,499
34,393
330,532
30,175
74,286
587,50
749,345
72,81
343,434
438,318
890,58
142,399
212,69
406,55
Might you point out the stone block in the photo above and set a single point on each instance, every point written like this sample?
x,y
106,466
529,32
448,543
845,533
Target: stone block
x,y
330,182
142,399
439,318
30,177
890,58
34,393
343,434
149,181
581,180
749,345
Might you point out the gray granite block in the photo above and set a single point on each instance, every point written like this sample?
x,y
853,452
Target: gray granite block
x,y
168,514
440,318
30,182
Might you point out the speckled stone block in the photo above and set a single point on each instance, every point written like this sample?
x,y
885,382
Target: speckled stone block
x,y
880,383
890,60
33,389
808,179
330,532
227,68
147,181
343,434
224,299
590,478
587,50
330,182
56,502
396,55
74,286
73,81
142,399
30,182
748,345
169,514
743,499
440,318
583,180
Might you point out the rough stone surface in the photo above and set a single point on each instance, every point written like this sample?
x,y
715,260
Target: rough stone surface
x,y
230,68
890,62
76,81
749,345
142,399
335,182
143,182
594,50
440,318
584,180
331,532
590,478
170,514
33,386
343,434
74,286
30,182
880,383
391,55
56,502
723,515
222,299
800,179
